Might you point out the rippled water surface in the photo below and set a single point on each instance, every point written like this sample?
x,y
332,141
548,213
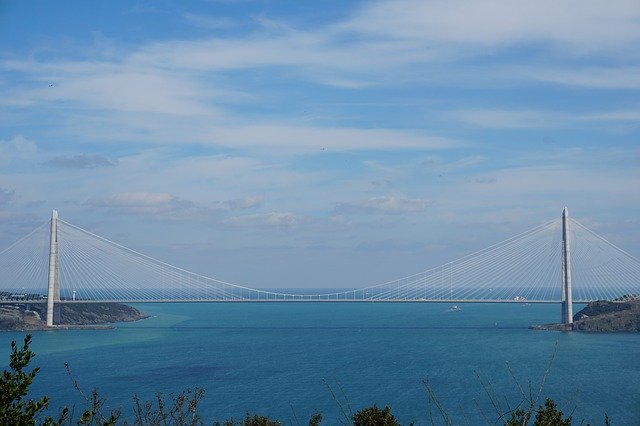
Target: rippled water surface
x,y
288,359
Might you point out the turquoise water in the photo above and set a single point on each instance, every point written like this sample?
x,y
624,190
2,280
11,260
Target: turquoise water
x,y
280,359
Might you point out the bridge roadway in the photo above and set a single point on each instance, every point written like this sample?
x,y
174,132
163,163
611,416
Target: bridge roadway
x,y
305,300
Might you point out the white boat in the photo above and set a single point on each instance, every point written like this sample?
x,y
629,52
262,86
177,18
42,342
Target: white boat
x,y
455,308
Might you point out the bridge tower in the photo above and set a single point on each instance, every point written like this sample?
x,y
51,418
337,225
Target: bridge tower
x,y
53,293
567,298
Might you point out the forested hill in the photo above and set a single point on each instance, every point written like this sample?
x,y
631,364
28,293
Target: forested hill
x,y
605,316
33,317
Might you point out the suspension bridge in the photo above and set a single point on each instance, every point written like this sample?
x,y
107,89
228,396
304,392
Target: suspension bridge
x,y
559,261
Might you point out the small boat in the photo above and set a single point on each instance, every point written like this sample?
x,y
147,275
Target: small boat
x,y
455,308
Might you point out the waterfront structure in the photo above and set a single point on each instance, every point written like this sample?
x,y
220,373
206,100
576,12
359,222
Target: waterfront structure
x,y
53,292
535,266
567,298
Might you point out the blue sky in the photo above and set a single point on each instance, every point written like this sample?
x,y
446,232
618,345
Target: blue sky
x,y
319,144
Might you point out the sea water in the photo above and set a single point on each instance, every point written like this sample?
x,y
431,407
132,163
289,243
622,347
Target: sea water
x,y
287,360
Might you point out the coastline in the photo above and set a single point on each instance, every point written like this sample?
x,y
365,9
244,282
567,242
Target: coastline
x,y
77,316
601,316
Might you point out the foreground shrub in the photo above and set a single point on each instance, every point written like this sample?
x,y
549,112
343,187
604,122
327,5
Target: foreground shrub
x,y
255,420
374,416
14,386
547,416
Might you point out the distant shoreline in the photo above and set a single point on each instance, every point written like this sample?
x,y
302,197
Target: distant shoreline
x,y
602,316
76,316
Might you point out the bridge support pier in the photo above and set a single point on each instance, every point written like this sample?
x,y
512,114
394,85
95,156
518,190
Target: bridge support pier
x,y
567,298
53,292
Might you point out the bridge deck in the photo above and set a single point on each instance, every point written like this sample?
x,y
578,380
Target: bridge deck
x,y
306,300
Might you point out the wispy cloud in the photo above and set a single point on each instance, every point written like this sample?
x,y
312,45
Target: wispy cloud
x,y
485,179
382,35
16,148
81,161
152,204
386,204
343,125
599,77
314,139
243,203
508,119
588,26
6,195
165,206
178,91
277,219
538,119
439,165
543,182
168,77
137,199
631,115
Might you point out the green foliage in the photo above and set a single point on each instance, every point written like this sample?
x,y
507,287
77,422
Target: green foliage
x,y
251,420
315,420
15,409
92,415
519,418
258,420
548,415
182,410
374,416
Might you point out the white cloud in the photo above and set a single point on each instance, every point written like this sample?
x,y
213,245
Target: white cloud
x,y
165,206
465,162
219,119
586,25
81,161
485,179
16,148
610,77
632,115
507,119
538,119
380,42
120,101
134,90
175,92
113,84
585,184
243,203
442,166
314,139
274,137
278,219
161,206
127,199
6,195
392,35
387,204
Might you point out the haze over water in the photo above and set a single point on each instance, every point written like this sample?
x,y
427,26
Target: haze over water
x,y
277,358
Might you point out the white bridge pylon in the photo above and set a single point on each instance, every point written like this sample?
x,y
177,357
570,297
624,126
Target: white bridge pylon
x,y
524,268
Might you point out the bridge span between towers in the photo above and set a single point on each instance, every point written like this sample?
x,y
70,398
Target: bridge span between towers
x,y
559,261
